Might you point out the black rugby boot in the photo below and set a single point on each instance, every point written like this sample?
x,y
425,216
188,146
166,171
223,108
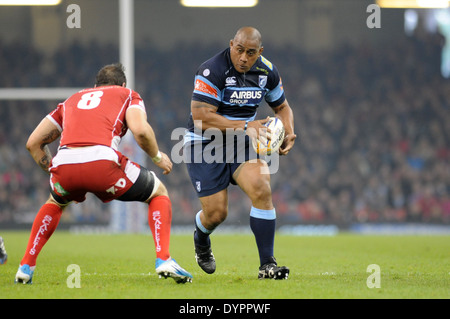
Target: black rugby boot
x,y
205,258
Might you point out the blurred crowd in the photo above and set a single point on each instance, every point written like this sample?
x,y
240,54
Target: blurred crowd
x,y
372,123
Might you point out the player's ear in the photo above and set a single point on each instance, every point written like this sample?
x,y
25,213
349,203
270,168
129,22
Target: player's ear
x,y
261,50
231,43
124,84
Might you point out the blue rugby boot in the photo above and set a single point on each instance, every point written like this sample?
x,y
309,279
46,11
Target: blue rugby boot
x,y
170,268
24,275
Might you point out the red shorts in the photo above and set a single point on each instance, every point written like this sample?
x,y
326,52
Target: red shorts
x,y
96,169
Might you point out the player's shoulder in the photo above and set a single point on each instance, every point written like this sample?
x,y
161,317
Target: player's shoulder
x,y
216,65
106,94
265,66
111,90
267,72
266,63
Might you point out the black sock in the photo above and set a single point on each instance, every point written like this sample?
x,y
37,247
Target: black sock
x,y
201,235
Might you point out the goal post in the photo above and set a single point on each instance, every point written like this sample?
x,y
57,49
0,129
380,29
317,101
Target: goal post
x,y
125,217
37,93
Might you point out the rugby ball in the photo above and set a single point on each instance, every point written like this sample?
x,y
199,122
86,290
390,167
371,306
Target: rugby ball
x,y
262,145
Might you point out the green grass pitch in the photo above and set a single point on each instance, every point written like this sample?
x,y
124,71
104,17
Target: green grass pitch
x,y
335,267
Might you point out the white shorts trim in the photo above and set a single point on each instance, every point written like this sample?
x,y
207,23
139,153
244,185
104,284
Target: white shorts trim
x,y
132,171
85,154
155,185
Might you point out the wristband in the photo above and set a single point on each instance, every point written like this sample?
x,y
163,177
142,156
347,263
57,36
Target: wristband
x,y
245,127
157,157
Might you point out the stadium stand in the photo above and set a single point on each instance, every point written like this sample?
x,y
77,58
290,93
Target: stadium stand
x,y
372,124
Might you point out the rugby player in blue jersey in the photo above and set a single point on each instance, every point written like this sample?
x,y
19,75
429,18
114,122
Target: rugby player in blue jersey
x,y
229,88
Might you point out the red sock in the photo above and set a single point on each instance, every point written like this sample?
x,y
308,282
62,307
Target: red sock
x,y
44,225
160,220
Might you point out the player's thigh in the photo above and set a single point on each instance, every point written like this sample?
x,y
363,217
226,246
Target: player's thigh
x,y
159,190
253,178
209,178
144,188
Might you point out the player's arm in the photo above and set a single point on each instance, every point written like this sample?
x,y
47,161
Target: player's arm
x,y
146,139
45,133
284,112
205,116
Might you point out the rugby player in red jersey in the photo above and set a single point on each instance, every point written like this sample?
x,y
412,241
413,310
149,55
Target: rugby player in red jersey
x,y
91,124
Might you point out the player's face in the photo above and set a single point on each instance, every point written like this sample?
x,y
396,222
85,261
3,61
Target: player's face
x,y
244,54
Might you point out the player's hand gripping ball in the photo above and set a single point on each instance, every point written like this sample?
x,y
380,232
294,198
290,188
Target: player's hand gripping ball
x,y
264,146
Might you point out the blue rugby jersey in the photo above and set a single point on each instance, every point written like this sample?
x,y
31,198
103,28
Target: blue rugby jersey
x,y
236,95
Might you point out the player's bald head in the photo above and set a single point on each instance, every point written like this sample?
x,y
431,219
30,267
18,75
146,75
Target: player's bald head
x,y
245,48
245,34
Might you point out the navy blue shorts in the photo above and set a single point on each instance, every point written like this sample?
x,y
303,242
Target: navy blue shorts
x,y
211,165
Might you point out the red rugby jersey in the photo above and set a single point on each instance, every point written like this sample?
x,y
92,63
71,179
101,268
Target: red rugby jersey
x,y
95,116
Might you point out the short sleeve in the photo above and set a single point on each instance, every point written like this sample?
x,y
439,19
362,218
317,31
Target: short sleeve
x,y
56,116
206,86
137,101
275,96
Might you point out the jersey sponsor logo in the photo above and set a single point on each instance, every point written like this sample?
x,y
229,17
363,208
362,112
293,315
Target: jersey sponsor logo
x,y
60,190
243,97
246,95
203,87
